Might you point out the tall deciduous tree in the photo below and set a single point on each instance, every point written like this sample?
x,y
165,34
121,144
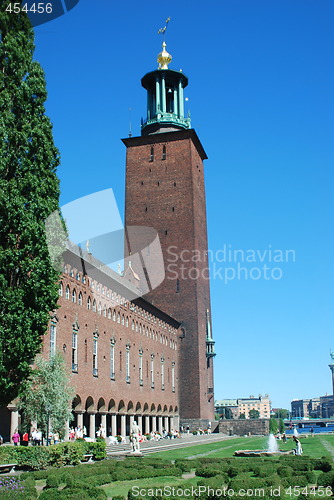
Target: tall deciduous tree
x,y
45,397
29,193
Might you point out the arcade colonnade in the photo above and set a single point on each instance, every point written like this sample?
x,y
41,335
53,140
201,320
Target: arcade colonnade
x,y
117,418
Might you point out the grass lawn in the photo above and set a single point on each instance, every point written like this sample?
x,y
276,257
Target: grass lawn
x,y
312,447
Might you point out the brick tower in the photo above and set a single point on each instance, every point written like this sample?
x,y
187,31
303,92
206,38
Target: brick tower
x,y
165,190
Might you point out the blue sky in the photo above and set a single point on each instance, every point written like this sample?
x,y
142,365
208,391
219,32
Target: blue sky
x,y
261,100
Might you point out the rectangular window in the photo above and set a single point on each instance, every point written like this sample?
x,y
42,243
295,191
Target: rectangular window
x,y
112,361
140,369
173,377
162,376
127,366
95,370
74,352
152,372
52,339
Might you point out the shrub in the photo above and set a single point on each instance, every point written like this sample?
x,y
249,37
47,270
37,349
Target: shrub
x,y
323,464
207,471
326,479
52,481
294,481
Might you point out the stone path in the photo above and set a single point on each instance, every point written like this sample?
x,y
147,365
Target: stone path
x,y
328,447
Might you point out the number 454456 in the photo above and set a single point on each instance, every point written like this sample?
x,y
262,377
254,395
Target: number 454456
x,y
38,8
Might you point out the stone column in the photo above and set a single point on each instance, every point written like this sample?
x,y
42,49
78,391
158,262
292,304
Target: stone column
x,y
104,423
147,424
140,423
123,425
92,424
171,424
132,418
113,425
160,424
166,424
176,421
80,418
14,420
154,423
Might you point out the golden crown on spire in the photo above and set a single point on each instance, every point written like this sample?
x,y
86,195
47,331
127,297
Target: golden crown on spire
x,y
164,58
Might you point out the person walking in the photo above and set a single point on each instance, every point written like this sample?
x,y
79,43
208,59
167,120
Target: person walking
x,y
16,438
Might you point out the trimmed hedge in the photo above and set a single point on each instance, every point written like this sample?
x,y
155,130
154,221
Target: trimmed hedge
x,y
57,455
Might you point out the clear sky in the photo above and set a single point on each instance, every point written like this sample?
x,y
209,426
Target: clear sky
x,y
260,93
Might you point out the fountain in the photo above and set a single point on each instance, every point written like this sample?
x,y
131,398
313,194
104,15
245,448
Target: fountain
x,y
271,451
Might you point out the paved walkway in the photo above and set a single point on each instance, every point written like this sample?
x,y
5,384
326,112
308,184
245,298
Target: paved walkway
x,y
148,447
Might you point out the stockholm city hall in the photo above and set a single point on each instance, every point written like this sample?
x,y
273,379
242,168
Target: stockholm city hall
x,y
134,355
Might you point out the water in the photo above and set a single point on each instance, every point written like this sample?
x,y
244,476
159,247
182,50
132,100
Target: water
x,y
272,444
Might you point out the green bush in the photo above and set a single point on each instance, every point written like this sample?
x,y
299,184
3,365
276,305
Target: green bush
x,y
207,471
52,481
294,481
326,479
323,464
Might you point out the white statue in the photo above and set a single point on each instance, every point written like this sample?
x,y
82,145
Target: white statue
x,y
134,437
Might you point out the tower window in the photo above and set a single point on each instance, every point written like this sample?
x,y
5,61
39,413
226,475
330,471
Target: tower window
x,y
173,209
166,232
152,154
142,183
174,183
158,183
164,153
177,286
145,209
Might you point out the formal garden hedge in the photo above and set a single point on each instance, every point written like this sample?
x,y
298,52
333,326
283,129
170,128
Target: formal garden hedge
x,y
58,455
84,481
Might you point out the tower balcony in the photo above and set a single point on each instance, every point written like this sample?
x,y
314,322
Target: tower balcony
x,y
164,120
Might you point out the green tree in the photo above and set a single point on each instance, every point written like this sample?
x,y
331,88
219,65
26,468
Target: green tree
x,y
281,413
242,416
29,193
46,395
254,414
273,426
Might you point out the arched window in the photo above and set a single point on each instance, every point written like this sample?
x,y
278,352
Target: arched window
x,y
114,315
136,326
94,305
80,299
132,325
74,296
127,322
152,154
60,291
67,292
99,309
89,303
164,155
123,320
104,311
109,313
118,318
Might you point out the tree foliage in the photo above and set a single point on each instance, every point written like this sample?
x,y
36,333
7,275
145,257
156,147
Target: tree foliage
x,y
47,394
254,414
281,413
29,193
242,416
273,426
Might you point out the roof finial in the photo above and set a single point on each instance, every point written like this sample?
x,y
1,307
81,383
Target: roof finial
x,y
164,58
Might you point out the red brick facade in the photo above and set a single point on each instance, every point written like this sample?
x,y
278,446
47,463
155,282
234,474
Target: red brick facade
x,y
122,355
165,190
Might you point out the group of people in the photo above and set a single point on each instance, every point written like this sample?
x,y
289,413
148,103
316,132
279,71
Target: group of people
x,y
36,438
77,433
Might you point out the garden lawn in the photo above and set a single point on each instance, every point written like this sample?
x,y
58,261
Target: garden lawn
x,y
315,447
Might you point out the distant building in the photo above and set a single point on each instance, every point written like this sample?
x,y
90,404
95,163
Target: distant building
x,y
313,408
233,408
227,408
262,404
